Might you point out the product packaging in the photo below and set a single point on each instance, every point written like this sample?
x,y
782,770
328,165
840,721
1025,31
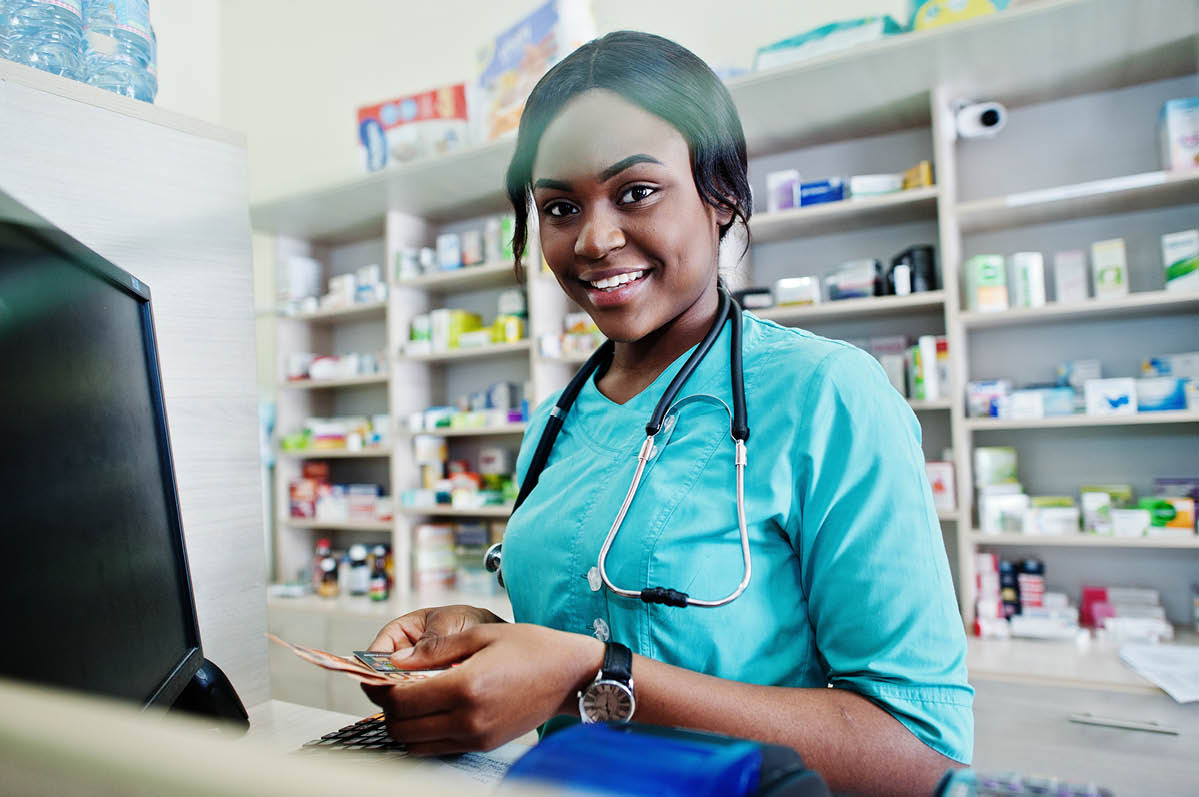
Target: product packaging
x,y
854,280
797,290
1109,269
935,13
449,251
994,465
919,176
1178,127
983,396
517,58
1184,365
986,283
863,185
1028,279
405,128
446,326
1160,393
1070,276
1180,256
941,479
825,39
782,190
1111,396
816,192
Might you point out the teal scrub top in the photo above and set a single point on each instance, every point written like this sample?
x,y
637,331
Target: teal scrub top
x,y
851,585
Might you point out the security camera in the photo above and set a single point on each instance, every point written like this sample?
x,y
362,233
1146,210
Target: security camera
x,y
979,119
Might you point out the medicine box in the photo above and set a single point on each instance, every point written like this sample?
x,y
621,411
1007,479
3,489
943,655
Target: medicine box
x,y
994,465
1109,269
986,283
797,290
1183,366
1180,257
1161,393
1070,276
1178,127
819,191
415,126
1027,279
511,65
782,190
861,185
941,480
1111,396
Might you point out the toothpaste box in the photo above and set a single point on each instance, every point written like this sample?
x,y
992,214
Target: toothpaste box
x,y
1180,256
1178,125
416,126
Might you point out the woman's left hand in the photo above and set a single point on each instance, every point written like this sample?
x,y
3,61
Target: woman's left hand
x,y
512,677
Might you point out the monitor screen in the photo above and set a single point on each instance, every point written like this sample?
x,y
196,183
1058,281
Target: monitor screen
x,y
95,583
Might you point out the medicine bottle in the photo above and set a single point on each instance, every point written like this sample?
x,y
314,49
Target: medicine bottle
x,y
360,575
328,586
380,583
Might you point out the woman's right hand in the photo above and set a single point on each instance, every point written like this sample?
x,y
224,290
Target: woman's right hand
x,y
424,626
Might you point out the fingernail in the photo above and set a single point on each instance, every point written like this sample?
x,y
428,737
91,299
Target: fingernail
x,y
402,653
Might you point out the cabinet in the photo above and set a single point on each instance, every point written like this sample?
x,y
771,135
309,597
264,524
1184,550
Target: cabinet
x,y
1076,163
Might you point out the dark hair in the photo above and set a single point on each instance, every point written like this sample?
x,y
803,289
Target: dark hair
x,y
665,79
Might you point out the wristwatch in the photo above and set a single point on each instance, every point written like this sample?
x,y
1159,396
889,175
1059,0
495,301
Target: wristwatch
x,y
609,698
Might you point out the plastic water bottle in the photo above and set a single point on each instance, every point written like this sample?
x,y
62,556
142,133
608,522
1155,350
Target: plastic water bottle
x,y
119,47
46,34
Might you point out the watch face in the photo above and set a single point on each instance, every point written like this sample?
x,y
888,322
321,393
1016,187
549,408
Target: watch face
x,y
606,700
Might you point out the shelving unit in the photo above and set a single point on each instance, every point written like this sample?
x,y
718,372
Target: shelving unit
x,y
336,525
1071,421
374,452
1084,540
858,107
520,347
472,431
330,384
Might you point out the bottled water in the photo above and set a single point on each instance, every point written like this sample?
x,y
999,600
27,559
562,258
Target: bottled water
x,y
119,47
47,34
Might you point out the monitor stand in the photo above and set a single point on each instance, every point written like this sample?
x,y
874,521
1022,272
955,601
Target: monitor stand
x,y
210,694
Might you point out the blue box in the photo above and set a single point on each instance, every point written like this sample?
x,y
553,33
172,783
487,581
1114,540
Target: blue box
x,y
818,191
1161,393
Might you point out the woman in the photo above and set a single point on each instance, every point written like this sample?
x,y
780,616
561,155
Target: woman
x,y
632,156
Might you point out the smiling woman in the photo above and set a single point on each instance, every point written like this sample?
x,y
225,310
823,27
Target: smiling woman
x,y
820,531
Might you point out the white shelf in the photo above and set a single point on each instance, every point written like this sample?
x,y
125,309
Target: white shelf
x,y
1095,198
918,204
478,353
847,309
376,452
1143,303
487,275
935,404
571,359
1084,540
364,311
950,515
336,525
319,384
1071,421
399,603
472,431
449,511
843,97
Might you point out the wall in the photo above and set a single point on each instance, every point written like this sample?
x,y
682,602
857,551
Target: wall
x,y
189,57
293,73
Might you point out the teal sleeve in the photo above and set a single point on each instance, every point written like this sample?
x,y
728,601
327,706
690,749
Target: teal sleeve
x,y
874,567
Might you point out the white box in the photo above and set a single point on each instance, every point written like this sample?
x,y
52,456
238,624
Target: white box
x,y
1180,258
1111,396
1027,279
941,480
1178,127
1070,276
874,184
1001,513
1109,269
1021,405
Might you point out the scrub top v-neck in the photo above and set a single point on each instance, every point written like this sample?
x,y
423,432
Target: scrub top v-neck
x,y
850,579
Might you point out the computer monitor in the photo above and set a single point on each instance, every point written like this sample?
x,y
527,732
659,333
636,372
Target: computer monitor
x,y
93,572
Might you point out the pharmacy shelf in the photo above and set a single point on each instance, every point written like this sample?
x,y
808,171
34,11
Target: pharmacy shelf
x,y
488,275
1127,194
843,97
364,311
1143,303
935,404
398,604
847,309
950,515
1083,541
319,384
917,204
337,525
568,359
476,353
375,452
473,431
449,511
1070,421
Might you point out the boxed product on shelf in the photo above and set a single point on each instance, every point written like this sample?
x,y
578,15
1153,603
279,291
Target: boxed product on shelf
x,y
471,246
1028,279
447,325
1051,516
1130,522
791,291
1178,128
362,501
854,280
433,559
1035,402
919,176
830,189
332,503
1116,396
782,190
830,38
1070,280
995,465
1109,269
1001,511
1169,516
1183,366
1180,258
936,13
986,283
754,298
924,368
449,251
941,479
413,126
864,185
1160,393
982,397
517,58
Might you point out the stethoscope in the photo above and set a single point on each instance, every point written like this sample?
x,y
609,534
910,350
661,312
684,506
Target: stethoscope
x,y
739,429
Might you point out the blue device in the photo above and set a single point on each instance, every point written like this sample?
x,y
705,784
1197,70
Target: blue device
x,y
630,758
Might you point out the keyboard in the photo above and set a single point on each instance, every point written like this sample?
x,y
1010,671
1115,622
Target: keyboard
x,y
368,735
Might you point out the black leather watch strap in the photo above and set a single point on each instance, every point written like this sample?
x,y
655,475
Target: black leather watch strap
x,y
618,663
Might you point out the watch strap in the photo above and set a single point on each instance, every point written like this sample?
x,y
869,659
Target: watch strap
x,y
618,663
